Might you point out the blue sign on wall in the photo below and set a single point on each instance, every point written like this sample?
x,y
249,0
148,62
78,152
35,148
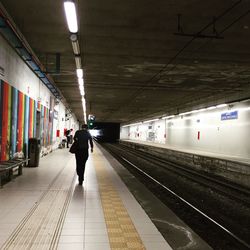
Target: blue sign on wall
x,y
229,115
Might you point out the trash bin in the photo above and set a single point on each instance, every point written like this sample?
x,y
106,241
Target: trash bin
x,y
34,152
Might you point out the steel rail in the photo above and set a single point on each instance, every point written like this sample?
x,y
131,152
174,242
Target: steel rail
x,y
189,204
179,168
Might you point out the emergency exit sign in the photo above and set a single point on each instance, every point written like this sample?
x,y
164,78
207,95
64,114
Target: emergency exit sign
x,y
229,115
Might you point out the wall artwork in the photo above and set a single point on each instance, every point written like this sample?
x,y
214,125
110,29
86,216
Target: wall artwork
x,y
18,122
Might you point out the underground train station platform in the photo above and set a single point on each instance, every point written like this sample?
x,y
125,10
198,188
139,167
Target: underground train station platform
x,y
45,208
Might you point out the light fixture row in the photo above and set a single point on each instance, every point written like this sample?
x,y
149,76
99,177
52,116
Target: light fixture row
x,y
70,11
71,17
181,114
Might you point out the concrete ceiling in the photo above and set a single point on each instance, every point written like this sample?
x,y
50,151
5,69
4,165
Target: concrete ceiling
x,y
135,67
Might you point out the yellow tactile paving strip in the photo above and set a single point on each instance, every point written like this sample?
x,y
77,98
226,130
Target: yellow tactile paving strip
x,y
121,230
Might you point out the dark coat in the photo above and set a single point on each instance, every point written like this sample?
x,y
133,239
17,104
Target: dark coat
x,y
83,139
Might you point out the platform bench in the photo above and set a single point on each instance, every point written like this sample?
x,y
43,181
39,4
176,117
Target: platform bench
x,y
7,169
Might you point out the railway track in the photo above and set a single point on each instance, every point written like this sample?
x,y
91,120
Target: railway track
x,y
216,196
229,189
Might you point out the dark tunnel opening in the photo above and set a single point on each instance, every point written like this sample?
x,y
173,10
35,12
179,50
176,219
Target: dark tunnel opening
x,y
105,132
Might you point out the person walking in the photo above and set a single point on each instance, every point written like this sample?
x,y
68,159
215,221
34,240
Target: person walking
x,y
68,137
71,135
83,139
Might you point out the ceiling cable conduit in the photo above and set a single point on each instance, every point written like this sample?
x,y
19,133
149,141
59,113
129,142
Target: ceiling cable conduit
x,y
164,70
194,38
12,36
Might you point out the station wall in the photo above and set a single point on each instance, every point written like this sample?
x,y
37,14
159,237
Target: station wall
x,y
27,107
222,130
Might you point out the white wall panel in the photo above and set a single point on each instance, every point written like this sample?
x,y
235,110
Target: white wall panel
x,y
229,137
124,135
143,131
133,132
160,130
17,73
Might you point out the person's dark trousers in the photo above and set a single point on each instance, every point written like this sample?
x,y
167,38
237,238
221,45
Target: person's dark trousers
x,y
81,158
68,141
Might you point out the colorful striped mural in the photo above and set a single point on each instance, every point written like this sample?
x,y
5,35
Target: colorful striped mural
x,y
1,115
8,145
20,121
6,121
26,124
34,118
14,121
18,116
31,118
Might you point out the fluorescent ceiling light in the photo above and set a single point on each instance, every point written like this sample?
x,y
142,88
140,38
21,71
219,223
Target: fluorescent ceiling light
x,y
82,92
201,110
133,124
73,37
78,62
75,44
76,47
80,81
84,106
186,113
194,111
211,108
84,109
79,73
85,118
221,106
70,11
168,117
153,120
